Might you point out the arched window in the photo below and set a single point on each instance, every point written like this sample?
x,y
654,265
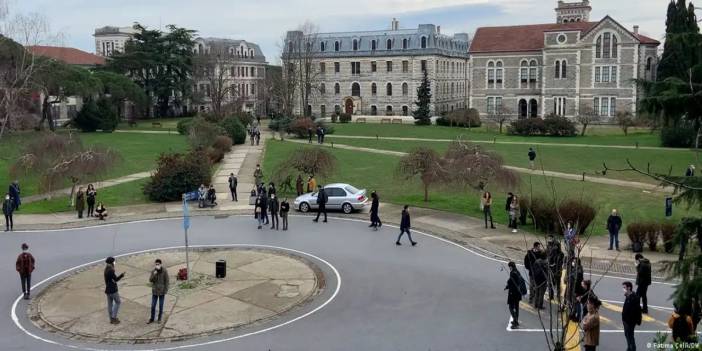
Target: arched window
x,y
388,89
606,46
424,42
388,44
321,46
598,47
405,111
337,89
404,43
532,71
355,45
491,72
374,110
322,89
558,69
374,89
405,89
564,67
388,109
533,108
355,89
524,71
373,44
200,50
499,72
251,53
522,108
614,46
336,46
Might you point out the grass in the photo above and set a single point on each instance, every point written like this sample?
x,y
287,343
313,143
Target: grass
x,y
377,172
129,193
596,135
167,124
139,153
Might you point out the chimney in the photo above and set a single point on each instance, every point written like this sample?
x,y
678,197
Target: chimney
x,y
395,25
636,29
438,29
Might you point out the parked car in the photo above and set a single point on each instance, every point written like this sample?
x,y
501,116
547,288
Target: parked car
x,y
344,197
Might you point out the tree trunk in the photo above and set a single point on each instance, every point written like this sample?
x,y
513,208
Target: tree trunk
x,y
426,192
501,126
582,133
71,199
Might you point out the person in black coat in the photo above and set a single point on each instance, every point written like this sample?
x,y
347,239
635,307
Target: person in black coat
x,y
309,135
374,217
274,208
111,290
540,274
532,157
8,207
513,293
614,224
529,262
631,315
556,259
322,199
405,226
264,206
271,189
233,182
643,280
284,209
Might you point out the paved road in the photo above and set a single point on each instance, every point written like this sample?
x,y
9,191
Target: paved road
x,y
436,296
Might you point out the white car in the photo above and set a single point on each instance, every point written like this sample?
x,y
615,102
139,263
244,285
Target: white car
x,y
340,196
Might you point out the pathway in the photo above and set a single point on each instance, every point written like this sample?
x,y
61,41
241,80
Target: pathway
x,y
146,131
569,176
98,186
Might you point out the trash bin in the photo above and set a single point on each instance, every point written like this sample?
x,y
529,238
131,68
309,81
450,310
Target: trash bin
x,y
221,269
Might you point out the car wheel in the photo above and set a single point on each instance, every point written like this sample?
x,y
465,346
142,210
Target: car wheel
x,y
304,207
347,208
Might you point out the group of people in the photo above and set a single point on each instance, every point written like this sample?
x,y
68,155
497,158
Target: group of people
x,y
206,196
320,132
311,184
266,202
255,133
89,197
158,279
511,207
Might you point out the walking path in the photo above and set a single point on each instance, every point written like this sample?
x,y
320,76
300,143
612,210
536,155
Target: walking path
x,y
569,176
98,185
146,131
332,136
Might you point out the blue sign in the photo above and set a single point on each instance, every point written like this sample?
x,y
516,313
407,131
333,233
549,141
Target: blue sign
x,y
668,206
186,215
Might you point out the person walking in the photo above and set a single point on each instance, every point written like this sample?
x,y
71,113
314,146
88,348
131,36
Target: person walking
x,y
252,136
319,135
264,206
405,226
274,207
258,212
485,205
375,205
90,195
556,259
514,213
643,280
25,266
8,207
160,283
14,191
530,265
532,158
631,315
284,209
311,184
540,273
258,175
516,287
614,224
258,135
591,324
201,196
309,135
321,203
298,185
681,325
233,182
111,290
80,202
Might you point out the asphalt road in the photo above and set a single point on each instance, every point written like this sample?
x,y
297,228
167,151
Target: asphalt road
x,y
436,296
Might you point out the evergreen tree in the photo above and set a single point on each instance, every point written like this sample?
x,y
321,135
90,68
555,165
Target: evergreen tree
x,y
422,114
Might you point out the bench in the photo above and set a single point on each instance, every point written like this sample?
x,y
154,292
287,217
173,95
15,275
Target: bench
x,y
361,120
156,124
397,121
385,120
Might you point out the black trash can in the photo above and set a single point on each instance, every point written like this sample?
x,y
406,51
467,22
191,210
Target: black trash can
x,y
221,269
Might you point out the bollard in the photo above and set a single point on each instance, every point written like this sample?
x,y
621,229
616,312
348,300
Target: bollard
x,y
637,144
376,137
583,176
332,144
494,140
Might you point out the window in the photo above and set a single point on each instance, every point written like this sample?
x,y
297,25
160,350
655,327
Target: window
x,y
533,108
232,71
322,67
562,38
374,110
388,89
498,72
337,67
405,111
355,89
337,45
337,89
532,71
374,89
564,67
388,110
649,63
558,69
404,43
559,106
598,47
424,42
614,46
452,88
524,72
322,47
613,75
374,66
355,44
606,46
355,68
605,106
494,104
598,74
491,73
388,44
373,44
389,66
251,53
424,65
405,89
323,110
322,89
606,74
405,66
523,108
253,71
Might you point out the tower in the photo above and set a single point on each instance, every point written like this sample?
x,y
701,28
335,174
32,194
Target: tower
x,y
573,11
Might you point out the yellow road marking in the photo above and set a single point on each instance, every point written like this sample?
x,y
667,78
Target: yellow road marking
x,y
572,336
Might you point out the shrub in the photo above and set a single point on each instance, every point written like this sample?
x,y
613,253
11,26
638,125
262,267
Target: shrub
x,y
107,116
559,126
244,117
183,126
334,118
527,126
234,129
650,232
635,232
544,215
682,137
667,234
280,123
223,143
299,127
177,174
88,119
345,118
469,118
202,134
578,212
215,155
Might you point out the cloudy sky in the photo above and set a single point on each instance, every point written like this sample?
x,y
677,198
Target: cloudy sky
x,y
265,21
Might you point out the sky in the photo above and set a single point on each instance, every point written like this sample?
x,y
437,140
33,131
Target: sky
x,y
265,21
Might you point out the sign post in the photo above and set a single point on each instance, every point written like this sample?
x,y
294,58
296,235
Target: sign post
x,y
186,226
668,206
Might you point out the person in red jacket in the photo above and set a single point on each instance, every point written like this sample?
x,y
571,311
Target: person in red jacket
x,y
25,267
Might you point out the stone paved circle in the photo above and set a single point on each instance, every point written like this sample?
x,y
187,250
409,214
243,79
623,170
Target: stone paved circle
x,y
260,286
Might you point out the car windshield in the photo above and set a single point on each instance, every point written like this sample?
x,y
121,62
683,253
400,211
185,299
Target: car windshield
x,y
351,189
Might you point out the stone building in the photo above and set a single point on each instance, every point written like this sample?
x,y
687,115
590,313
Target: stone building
x,y
110,39
378,72
561,68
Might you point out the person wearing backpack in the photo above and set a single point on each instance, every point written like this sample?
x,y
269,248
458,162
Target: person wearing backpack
x,y
25,267
516,288
643,280
631,314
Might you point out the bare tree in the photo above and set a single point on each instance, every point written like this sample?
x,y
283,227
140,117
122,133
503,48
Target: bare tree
x,y
213,66
472,166
625,121
300,46
500,115
424,163
284,87
586,117
306,160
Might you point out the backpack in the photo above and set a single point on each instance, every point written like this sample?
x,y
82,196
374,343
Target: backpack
x,y
182,274
521,284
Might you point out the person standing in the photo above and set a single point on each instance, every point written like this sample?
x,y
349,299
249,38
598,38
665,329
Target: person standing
x,y
90,195
160,282
631,315
25,266
584,294
321,135
284,209
614,224
14,191
201,196
311,184
486,204
540,273
111,290
591,324
556,258
573,286
643,280
274,207
681,325
8,207
258,212
233,182
514,287
514,213
264,206
321,203
532,158
530,265
271,189
405,226
80,202
375,205
258,175
309,135
298,185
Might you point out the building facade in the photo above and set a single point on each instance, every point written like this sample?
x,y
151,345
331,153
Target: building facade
x,y
236,68
378,72
564,68
110,39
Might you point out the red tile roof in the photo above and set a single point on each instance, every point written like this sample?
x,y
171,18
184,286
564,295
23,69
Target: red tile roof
x,y
70,56
527,37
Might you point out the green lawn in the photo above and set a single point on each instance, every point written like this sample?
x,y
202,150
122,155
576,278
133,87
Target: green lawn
x,y
129,193
598,135
139,153
558,158
377,172
167,124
